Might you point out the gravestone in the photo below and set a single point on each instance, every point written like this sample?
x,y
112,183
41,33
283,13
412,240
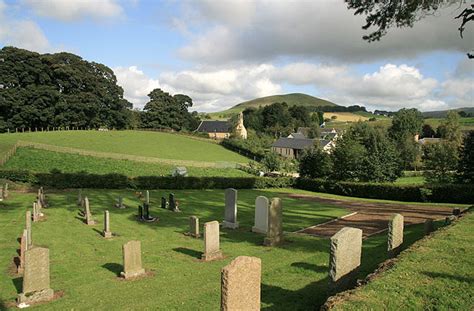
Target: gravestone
x,y
1,194
119,203
28,229
172,203
79,198
89,220
132,260
194,227
36,282
107,233
240,284
230,214
140,212
261,215
36,213
211,241
163,203
395,235
344,258
428,226
147,197
146,211
275,224
23,248
5,191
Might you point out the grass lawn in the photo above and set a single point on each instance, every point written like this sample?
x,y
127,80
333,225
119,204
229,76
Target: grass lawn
x,y
85,266
412,180
42,161
137,143
438,274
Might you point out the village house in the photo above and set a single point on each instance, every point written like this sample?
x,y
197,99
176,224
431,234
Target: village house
x,y
293,147
215,129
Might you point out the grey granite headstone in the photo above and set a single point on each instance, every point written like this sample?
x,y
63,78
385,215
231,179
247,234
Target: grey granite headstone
x,y
212,249
230,214
261,215
194,227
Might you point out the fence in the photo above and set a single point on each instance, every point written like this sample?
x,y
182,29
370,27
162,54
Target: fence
x,y
7,155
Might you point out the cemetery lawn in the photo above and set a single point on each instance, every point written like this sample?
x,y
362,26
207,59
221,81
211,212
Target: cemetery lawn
x,y
437,274
134,143
84,266
43,161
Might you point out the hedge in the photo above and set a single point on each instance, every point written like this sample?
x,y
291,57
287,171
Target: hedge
x,y
463,194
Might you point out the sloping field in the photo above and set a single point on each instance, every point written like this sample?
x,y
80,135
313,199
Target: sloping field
x,y
155,145
345,116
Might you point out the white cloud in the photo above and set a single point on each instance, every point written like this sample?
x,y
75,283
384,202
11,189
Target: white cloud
x,y
136,84
72,10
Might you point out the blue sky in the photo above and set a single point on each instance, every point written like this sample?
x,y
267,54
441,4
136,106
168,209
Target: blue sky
x,y
223,52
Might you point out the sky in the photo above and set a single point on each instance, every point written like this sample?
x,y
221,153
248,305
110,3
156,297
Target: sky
x,y
223,52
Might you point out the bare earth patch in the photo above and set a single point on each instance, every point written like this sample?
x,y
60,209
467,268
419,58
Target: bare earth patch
x,y
371,217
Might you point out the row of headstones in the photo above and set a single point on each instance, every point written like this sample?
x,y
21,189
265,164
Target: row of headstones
x,y
4,193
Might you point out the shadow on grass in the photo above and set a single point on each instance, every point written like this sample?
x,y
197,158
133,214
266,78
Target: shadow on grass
x,y
99,232
310,266
189,252
18,283
113,267
457,278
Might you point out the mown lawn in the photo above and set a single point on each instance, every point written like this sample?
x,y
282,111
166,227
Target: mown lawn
x,y
85,266
438,274
411,180
138,143
42,161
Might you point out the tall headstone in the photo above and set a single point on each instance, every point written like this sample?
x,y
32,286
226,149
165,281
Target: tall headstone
x,y
6,192
146,211
36,213
194,227
79,198
395,235
23,248
230,214
212,249
240,284
147,197
275,223
140,212
163,203
36,281
28,229
107,233
119,203
261,215
172,203
132,260
344,258
88,214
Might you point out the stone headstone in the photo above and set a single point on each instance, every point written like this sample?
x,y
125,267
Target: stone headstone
x,y
119,203
428,226
5,192
147,197
261,215
172,203
79,198
1,194
36,212
132,260
163,203
275,223
23,248
107,233
395,235
146,211
36,282
28,229
230,214
89,220
140,212
212,249
194,227
344,258
240,284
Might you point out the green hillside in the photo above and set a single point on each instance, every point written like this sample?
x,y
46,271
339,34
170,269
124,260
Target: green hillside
x,y
291,99
443,113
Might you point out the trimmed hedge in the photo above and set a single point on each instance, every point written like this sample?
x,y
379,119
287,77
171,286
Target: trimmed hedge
x,y
463,194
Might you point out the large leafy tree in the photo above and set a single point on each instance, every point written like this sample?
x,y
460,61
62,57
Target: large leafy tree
x,y
450,129
441,161
315,163
466,160
58,90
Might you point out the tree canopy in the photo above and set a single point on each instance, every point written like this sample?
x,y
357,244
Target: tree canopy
x,y
58,90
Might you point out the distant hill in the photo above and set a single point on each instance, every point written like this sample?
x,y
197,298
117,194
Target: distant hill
x,y
291,99
443,113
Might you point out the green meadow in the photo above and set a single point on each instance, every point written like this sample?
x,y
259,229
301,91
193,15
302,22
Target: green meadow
x,y
85,266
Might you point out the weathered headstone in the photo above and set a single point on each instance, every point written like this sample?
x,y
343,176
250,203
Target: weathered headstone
x,y
36,281
147,197
107,233
428,226
240,284
275,223
146,211
5,192
140,212
230,214
194,227
395,235
261,215
23,248
211,241
163,203
36,213
172,203
344,258
119,203
132,260
79,198
89,220
28,229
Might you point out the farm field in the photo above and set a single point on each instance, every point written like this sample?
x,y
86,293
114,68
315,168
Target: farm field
x,y
134,143
345,117
43,161
425,276
84,266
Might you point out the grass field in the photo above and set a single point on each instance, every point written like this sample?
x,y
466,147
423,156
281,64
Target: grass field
x,y
43,161
345,116
85,266
412,180
134,143
437,274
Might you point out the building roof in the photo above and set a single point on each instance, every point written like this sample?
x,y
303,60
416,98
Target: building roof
x,y
214,127
428,140
297,135
298,143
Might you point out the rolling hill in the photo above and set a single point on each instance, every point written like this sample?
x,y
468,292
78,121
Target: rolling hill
x,y
443,113
291,99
